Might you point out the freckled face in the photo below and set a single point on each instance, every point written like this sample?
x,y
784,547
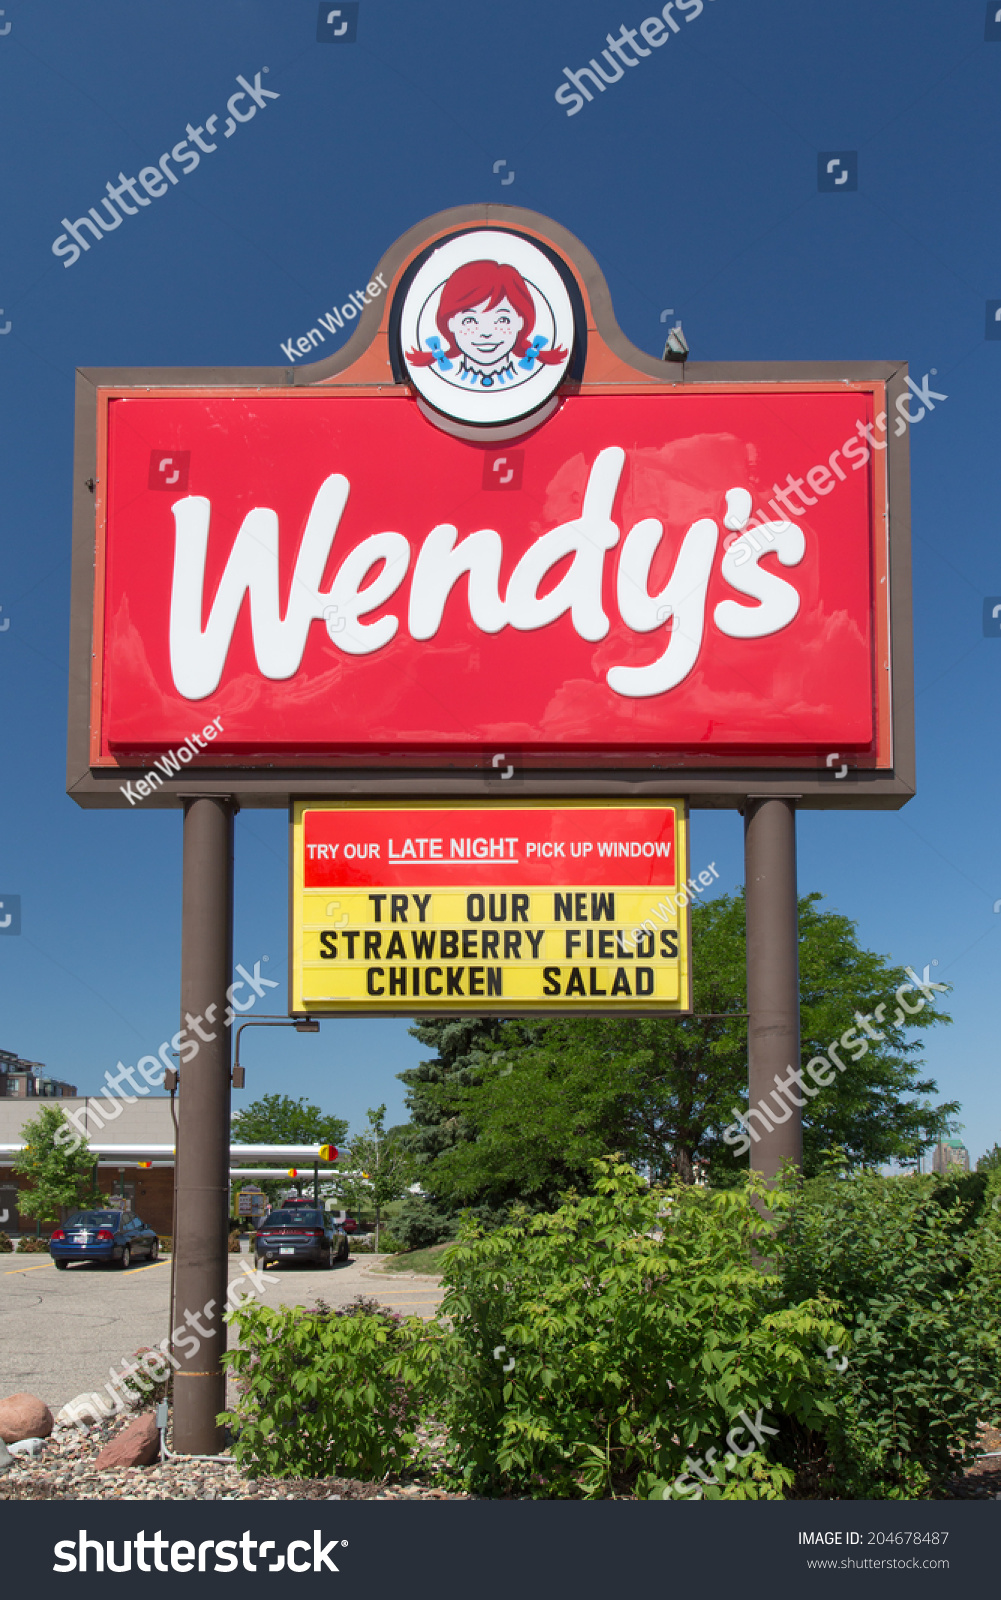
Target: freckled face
x,y
487,337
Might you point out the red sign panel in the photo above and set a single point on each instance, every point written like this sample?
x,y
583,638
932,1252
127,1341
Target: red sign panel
x,y
329,572
633,846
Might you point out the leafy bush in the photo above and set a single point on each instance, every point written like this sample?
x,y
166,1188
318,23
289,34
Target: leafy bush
x,y
34,1247
5,1245
917,1275
166,1244
624,1343
316,1396
420,1223
234,1245
593,1350
154,1379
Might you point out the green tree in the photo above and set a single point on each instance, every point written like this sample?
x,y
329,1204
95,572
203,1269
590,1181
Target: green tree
x,y
278,1119
60,1169
990,1162
379,1158
464,1049
523,1112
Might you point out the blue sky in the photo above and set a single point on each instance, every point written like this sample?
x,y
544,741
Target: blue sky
x,y
694,183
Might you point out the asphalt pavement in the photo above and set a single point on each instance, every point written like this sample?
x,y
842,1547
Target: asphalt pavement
x,y
61,1333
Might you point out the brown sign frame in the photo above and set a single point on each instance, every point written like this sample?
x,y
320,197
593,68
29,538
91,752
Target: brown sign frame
x,y
611,359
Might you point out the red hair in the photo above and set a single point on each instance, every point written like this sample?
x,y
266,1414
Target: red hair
x,y
466,289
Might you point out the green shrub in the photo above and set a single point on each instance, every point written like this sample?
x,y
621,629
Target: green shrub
x,y
34,1247
593,1350
166,1244
154,1379
5,1245
917,1276
316,1396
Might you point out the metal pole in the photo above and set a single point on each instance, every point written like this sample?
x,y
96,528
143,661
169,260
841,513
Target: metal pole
x,y
772,983
316,1183
202,1261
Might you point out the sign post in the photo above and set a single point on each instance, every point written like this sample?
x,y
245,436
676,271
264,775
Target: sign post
x,y
202,1261
772,980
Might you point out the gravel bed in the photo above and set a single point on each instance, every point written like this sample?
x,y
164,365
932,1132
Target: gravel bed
x,y
65,1470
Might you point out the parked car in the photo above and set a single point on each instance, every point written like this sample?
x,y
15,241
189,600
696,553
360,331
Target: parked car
x,y
298,1233
107,1236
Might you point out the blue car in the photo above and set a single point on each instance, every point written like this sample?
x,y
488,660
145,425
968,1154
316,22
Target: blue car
x,y
108,1236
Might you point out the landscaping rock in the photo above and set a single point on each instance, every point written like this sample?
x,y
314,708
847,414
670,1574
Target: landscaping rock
x,y
6,1459
27,1447
24,1416
138,1445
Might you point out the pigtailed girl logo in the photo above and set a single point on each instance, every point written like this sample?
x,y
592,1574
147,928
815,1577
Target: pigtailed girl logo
x,y
487,328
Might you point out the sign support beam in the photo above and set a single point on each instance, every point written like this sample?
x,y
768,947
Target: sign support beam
x,y
772,980
203,1136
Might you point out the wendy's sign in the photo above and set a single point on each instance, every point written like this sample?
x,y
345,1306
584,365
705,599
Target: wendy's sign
x,y
689,570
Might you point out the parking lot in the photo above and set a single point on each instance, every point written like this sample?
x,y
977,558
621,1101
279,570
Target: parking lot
x,y
62,1332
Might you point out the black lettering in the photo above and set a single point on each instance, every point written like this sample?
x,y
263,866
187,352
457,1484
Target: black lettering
x,y
449,946
576,984
519,908
563,908
551,980
644,944
396,952
427,981
476,907
377,900
603,908
590,942
644,980
397,980
512,945
417,980
535,940
374,972
489,942
422,901
328,946
453,978
668,942
501,915
373,946
351,937
593,990
621,984
423,945
476,980
572,937
606,944
494,981
581,900
622,949
398,907
469,946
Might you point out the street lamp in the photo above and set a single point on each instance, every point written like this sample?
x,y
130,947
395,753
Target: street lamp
x,y
300,1024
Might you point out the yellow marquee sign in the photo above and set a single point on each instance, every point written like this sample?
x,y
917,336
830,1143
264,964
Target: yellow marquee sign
x,y
532,906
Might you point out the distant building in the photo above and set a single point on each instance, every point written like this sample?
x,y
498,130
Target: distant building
x,y
949,1155
28,1080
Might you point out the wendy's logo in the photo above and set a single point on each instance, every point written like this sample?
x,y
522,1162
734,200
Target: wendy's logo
x,y
487,328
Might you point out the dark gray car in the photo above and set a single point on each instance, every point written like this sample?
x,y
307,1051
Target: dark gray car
x,y
300,1234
